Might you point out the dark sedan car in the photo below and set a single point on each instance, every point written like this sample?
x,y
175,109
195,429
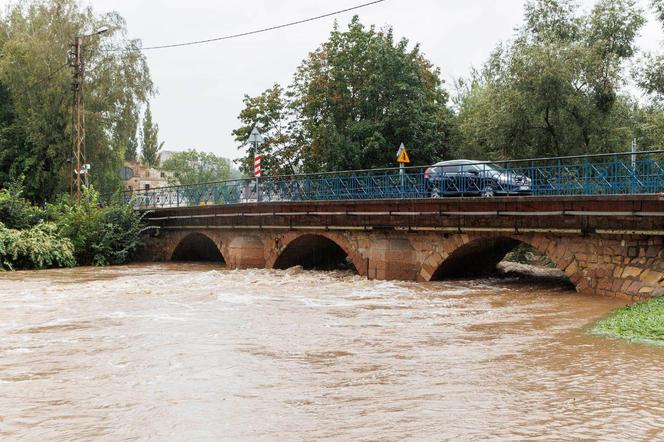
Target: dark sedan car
x,y
467,177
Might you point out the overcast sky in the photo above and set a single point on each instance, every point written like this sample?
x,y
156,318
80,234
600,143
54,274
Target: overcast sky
x,y
201,87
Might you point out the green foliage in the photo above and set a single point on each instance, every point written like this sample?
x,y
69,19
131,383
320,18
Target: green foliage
x,y
150,136
120,228
131,151
556,89
15,211
39,247
658,6
271,113
100,235
639,322
192,167
82,232
35,94
352,102
649,72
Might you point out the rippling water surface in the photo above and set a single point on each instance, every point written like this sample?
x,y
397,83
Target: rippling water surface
x,y
194,352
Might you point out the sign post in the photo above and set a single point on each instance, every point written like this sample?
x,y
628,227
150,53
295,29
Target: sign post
x,y
402,159
257,174
256,139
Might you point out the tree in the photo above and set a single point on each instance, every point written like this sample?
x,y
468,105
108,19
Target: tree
x,y
131,151
126,135
192,167
556,89
35,85
352,102
150,137
650,73
271,114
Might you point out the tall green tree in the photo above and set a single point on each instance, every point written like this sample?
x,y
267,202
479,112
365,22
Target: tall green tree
x,y
361,94
352,102
193,167
650,72
151,147
271,114
557,88
35,84
131,151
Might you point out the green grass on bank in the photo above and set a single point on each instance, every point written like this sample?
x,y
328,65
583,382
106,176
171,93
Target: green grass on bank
x,y
643,322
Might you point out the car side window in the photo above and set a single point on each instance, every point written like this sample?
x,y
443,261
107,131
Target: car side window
x,y
470,168
451,168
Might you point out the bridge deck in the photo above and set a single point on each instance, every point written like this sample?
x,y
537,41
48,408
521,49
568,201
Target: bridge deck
x,y
624,213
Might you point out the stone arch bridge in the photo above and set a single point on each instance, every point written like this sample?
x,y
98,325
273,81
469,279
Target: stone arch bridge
x,y
606,245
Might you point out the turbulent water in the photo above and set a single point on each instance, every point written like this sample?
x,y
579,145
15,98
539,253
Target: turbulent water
x,y
194,352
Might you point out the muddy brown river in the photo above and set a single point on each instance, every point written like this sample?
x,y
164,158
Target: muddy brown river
x,y
196,352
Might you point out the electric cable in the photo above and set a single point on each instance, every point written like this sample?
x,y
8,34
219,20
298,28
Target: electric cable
x,y
247,33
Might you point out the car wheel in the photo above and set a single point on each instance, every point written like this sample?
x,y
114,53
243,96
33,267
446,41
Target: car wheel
x,y
435,193
488,192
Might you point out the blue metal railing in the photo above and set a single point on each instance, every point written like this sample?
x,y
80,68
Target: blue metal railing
x,y
602,174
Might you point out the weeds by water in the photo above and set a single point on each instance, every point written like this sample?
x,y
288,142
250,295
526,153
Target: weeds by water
x,y
642,322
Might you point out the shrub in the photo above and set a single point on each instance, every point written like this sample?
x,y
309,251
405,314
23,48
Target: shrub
x,y
101,235
17,212
39,247
119,235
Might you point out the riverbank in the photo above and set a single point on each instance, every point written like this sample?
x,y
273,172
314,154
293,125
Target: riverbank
x,y
643,322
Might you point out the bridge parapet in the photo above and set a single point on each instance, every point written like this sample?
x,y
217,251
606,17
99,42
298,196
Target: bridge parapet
x,y
575,215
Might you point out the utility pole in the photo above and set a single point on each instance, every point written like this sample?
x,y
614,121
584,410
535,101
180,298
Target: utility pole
x,y
78,118
78,165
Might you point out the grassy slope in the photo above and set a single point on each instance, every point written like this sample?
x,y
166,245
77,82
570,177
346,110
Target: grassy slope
x,y
640,322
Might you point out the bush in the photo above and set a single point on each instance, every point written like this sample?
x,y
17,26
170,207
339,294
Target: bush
x,y
101,235
82,232
15,211
39,247
119,235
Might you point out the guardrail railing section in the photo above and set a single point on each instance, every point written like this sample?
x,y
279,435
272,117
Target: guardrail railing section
x,y
601,174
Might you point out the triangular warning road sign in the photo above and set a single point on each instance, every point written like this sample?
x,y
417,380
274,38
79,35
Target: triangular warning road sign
x,y
403,157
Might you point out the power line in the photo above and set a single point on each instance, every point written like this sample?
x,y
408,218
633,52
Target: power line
x,y
244,34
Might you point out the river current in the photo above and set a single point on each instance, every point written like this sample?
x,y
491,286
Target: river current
x,y
197,352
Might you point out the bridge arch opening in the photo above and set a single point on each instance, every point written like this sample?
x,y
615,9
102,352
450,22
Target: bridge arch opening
x,y
314,252
197,247
476,258
481,257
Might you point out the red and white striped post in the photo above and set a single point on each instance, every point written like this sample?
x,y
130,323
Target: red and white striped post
x,y
257,174
256,139
257,165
